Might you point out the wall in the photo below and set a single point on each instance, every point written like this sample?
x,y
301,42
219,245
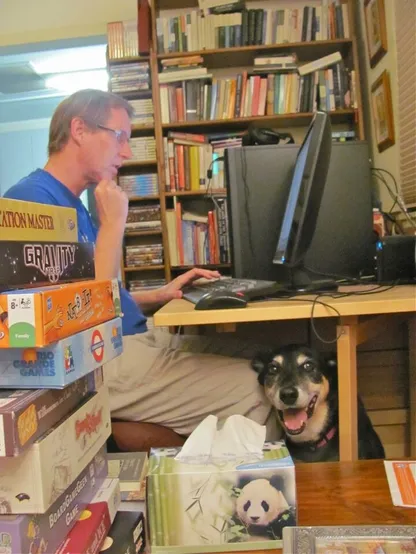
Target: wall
x,y
23,22
389,159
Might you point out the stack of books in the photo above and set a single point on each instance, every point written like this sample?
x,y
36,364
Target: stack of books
x,y
143,149
54,406
144,184
143,111
127,78
144,254
143,218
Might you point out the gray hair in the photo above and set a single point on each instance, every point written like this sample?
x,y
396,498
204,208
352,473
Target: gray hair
x,y
92,105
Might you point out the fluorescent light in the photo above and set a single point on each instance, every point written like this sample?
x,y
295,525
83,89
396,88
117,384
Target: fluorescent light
x,y
77,80
70,59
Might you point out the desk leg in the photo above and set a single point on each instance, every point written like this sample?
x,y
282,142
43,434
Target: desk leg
x,y
347,388
412,385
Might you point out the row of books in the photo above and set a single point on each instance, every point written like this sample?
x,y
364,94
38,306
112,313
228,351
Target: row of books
x,y
131,38
196,239
189,157
244,95
143,255
129,77
54,406
196,31
144,184
142,218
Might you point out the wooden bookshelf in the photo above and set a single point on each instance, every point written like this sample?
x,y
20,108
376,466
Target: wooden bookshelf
x,y
221,60
289,119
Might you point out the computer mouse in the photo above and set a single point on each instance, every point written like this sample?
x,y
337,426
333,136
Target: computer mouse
x,y
221,299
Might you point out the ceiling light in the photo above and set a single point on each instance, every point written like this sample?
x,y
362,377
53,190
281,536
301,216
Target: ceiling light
x,y
77,80
70,59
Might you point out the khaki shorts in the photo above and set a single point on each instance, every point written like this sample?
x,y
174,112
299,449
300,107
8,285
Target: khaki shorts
x,y
176,381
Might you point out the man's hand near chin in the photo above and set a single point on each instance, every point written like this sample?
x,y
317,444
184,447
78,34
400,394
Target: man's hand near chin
x,y
173,290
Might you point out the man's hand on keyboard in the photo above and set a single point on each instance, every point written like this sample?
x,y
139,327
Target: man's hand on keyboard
x,y
174,289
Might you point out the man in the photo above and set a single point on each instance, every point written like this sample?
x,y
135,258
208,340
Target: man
x,y
151,382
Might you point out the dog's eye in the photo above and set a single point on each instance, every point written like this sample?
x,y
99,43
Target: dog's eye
x,y
273,368
308,366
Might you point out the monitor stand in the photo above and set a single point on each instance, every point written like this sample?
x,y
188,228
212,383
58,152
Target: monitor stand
x,y
301,282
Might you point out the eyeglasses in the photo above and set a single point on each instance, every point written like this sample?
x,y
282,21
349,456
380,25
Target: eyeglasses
x,y
121,136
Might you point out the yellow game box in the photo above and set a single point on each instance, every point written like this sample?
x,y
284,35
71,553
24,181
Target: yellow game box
x,y
31,221
38,317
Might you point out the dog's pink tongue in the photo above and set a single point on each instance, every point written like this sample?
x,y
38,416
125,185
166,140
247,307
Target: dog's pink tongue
x,y
294,419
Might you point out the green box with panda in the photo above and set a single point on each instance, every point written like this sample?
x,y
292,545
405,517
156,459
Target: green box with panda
x,y
231,505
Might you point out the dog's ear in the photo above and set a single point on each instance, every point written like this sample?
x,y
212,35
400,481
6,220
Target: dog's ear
x,y
259,363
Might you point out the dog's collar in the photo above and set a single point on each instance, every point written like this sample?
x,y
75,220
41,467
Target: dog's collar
x,y
326,438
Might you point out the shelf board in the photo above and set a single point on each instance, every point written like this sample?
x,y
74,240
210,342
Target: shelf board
x,y
128,59
142,233
143,268
135,163
205,266
244,55
196,192
142,198
293,119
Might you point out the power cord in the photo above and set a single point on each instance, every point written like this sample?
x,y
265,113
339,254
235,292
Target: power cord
x,y
379,172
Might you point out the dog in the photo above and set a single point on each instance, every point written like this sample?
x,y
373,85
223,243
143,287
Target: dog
x,y
302,385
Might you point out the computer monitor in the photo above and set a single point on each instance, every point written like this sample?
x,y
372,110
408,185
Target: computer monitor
x,y
258,180
303,204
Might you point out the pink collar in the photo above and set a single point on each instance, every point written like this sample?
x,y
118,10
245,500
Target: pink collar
x,y
326,438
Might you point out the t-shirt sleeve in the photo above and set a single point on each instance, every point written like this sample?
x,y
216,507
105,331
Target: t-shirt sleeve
x,y
30,194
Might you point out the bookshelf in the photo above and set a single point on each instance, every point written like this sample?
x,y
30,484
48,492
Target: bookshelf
x,y
225,63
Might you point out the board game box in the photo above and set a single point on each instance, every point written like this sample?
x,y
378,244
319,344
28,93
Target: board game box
x,y
43,533
89,533
38,317
37,264
63,362
31,482
127,534
25,415
21,220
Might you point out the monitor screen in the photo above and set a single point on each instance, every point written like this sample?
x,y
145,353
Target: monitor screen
x,y
305,193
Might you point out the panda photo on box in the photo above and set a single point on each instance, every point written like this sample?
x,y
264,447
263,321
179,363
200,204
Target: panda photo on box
x,y
262,509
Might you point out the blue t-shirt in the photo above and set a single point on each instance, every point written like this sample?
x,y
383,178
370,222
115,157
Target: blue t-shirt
x,y
41,187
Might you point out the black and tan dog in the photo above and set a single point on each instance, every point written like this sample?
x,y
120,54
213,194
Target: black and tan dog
x,y
303,387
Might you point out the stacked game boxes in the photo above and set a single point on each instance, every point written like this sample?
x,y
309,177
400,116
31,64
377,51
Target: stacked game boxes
x,y
58,327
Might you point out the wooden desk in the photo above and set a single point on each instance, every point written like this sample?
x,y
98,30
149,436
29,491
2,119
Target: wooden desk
x,y
399,300
346,493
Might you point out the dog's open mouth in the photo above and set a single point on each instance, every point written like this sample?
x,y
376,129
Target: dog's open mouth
x,y
294,419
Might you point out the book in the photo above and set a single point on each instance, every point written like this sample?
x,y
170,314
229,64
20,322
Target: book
x,y
321,63
130,468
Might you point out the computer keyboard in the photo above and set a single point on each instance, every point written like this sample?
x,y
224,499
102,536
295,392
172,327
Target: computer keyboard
x,y
252,288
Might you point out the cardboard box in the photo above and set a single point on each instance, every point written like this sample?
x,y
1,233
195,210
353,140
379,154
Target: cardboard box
x,y
63,362
31,221
31,482
232,505
45,532
38,317
90,531
131,469
44,263
126,535
27,415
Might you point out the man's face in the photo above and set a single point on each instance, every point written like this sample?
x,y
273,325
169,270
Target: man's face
x,y
102,152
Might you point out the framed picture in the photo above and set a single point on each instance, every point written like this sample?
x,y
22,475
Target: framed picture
x,y
375,22
383,112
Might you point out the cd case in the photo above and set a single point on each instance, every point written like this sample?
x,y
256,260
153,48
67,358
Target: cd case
x,y
362,539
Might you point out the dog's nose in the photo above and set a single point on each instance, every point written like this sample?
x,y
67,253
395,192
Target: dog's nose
x,y
289,395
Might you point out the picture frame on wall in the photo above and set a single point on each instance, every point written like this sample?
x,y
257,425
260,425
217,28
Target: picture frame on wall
x,y
383,112
375,22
